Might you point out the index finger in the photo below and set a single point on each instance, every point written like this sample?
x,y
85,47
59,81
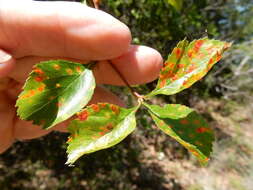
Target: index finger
x,y
60,29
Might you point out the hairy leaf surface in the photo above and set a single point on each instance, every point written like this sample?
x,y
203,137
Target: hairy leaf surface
x,y
99,126
54,91
185,126
188,63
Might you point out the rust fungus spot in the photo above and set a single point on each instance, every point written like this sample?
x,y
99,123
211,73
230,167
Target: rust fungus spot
x,y
95,107
198,45
58,104
191,68
184,122
115,109
197,122
39,78
83,115
202,130
218,58
78,69
56,67
178,52
109,126
41,87
206,159
190,53
101,133
57,85
38,71
69,71
162,83
180,66
210,62
163,69
175,77
102,105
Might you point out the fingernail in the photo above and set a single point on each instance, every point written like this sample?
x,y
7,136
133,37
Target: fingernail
x,y
4,57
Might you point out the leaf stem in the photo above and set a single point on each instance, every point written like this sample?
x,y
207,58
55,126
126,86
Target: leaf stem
x,y
134,93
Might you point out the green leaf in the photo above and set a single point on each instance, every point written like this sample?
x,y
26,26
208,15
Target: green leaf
x,y
177,4
54,91
97,127
188,63
185,126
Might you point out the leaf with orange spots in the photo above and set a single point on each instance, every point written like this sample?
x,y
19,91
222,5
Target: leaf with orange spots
x,y
188,63
185,126
54,91
99,126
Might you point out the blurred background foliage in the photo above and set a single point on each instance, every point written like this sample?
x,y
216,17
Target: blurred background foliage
x,y
148,160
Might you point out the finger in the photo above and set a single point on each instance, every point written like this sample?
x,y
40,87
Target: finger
x,y
140,64
25,130
6,63
66,29
7,113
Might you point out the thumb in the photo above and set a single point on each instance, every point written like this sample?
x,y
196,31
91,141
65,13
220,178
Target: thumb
x,y
6,63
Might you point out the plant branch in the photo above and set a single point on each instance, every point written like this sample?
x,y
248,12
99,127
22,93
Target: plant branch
x,y
138,96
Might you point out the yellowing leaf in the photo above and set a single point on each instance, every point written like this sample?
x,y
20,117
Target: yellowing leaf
x,y
97,127
185,126
188,63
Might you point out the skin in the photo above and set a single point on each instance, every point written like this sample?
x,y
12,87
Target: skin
x,y
37,31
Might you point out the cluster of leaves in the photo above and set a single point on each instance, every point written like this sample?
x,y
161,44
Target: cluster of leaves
x,y
58,89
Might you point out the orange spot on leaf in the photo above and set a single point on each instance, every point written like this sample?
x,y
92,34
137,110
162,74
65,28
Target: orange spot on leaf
x,y
218,56
95,107
115,109
190,53
178,52
38,71
56,67
162,83
184,122
39,78
57,85
198,45
78,69
69,71
83,115
41,87
180,66
202,130
197,122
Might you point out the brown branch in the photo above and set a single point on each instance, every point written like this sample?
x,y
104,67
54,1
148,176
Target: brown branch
x,y
138,96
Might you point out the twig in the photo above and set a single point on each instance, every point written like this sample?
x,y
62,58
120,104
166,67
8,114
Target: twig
x,y
138,96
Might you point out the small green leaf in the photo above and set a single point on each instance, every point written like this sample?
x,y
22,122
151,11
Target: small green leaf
x,y
97,127
188,63
185,126
177,4
54,91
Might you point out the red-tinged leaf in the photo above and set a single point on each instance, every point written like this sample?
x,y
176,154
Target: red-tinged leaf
x,y
185,126
187,64
99,126
54,91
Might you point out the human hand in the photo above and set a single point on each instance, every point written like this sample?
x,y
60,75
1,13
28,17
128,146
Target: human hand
x,y
31,32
